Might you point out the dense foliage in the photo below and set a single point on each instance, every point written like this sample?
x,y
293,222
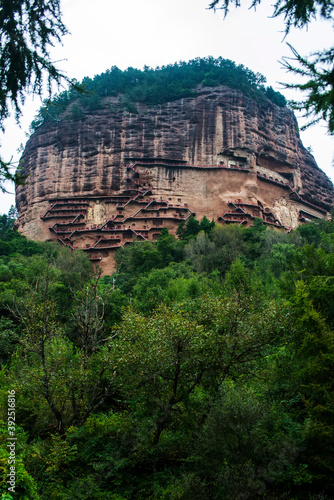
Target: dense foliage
x,y
156,86
28,29
203,368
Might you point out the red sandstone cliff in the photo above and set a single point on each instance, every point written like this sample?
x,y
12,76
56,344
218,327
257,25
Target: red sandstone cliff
x,y
248,151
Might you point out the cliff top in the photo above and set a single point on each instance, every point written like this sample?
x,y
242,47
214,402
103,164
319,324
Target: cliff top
x,y
157,86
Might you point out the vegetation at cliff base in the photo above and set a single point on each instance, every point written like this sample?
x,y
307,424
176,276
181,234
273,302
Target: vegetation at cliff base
x,y
203,368
157,86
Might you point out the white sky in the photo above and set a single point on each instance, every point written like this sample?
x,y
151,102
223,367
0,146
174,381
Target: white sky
x,y
135,33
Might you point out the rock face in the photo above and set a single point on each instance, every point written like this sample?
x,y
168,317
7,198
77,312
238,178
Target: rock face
x,y
111,177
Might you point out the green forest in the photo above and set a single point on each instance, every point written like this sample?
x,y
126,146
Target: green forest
x,y
154,86
202,369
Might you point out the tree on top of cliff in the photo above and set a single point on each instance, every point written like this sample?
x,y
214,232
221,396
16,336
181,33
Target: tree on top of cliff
x,y
159,85
319,69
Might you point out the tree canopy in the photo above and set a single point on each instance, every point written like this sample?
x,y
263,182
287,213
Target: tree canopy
x,y
319,88
156,86
202,368
297,13
28,29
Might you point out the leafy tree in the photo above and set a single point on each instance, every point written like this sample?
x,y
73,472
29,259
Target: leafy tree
x,y
175,282
164,358
187,230
308,377
275,97
12,242
313,267
170,249
297,13
25,485
216,250
28,29
214,384
282,258
206,226
13,213
254,237
8,339
314,232
199,250
319,88
6,223
138,258
7,174
167,364
244,447
141,257
60,382
192,227
88,315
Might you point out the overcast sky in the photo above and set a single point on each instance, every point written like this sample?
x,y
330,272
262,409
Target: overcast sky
x,y
135,33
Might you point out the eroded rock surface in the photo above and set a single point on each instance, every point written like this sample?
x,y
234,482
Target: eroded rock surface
x,y
113,176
